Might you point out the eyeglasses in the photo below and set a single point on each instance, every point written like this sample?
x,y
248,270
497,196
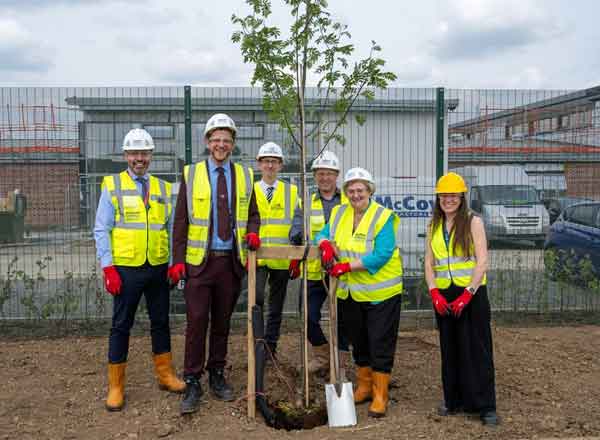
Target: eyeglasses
x,y
219,140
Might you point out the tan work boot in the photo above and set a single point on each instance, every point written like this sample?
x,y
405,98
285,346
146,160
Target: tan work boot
x,y
381,382
116,387
320,359
167,380
364,385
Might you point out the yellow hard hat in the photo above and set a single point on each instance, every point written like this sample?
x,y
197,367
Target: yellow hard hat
x,y
450,183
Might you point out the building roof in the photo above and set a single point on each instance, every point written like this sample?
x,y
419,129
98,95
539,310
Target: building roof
x,y
539,109
241,104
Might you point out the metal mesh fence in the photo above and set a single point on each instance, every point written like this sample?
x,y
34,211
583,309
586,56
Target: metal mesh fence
x,y
526,155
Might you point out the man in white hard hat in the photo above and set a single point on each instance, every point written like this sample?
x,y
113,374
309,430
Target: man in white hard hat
x,y
326,168
277,201
216,218
132,241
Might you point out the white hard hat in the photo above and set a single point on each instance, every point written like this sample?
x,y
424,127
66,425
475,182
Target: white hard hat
x,y
270,149
219,120
138,139
326,160
359,174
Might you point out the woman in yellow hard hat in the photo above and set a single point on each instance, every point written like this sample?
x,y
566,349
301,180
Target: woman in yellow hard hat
x,y
362,236
455,270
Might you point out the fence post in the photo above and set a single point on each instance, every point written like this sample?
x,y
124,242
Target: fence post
x,y
187,109
439,132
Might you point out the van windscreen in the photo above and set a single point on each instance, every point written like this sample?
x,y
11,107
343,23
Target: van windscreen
x,y
508,195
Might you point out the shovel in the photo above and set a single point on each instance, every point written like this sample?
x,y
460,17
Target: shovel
x,y
339,395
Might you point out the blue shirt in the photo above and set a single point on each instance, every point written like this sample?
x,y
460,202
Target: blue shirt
x,y
105,222
213,174
383,249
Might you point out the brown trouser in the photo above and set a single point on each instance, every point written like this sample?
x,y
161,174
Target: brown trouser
x,y
214,292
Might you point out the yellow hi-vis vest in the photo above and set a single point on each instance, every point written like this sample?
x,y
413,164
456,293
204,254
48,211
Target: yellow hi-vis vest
x,y
317,223
139,233
276,219
363,286
199,207
448,267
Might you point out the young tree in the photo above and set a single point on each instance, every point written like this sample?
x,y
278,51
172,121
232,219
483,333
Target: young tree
x,y
315,45
318,47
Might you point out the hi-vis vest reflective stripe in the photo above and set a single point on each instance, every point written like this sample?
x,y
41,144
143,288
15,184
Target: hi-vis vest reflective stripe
x,y
199,207
276,219
139,234
384,284
317,223
448,267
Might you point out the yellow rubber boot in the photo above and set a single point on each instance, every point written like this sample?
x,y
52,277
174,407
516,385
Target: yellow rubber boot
x,y
364,385
163,366
381,383
116,387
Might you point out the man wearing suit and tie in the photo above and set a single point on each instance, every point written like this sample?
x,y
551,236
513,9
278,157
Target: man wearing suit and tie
x,y
216,218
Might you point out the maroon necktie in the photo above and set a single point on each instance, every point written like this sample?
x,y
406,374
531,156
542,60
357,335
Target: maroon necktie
x,y
224,225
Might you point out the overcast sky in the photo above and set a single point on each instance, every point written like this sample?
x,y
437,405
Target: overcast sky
x,y
461,43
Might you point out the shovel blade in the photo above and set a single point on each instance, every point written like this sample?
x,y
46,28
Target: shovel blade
x,y
340,405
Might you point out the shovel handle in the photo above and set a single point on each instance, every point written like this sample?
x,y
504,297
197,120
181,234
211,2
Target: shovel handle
x,y
334,363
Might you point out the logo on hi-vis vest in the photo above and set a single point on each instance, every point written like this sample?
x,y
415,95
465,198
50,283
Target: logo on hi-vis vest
x,y
407,206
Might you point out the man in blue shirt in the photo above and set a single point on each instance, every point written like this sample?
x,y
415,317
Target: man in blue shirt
x,y
132,241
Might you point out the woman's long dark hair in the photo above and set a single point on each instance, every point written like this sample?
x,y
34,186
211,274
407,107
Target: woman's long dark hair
x,y
463,239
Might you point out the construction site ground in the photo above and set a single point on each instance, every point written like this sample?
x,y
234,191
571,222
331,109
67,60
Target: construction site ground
x,y
548,386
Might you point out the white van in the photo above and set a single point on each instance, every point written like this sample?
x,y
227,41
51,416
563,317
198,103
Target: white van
x,y
412,199
507,201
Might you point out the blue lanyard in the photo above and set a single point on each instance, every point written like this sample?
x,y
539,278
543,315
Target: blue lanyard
x,y
446,235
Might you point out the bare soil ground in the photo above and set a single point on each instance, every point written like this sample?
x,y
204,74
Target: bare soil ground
x,y
548,386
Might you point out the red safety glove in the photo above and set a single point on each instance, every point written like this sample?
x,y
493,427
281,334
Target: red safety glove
x,y
439,302
253,241
327,254
176,272
340,269
458,305
294,269
112,280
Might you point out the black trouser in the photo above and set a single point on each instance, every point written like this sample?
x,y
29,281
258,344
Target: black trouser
x,y
372,330
467,354
151,281
317,294
278,279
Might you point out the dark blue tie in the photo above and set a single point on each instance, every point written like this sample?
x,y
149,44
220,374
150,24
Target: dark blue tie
x,y
144,184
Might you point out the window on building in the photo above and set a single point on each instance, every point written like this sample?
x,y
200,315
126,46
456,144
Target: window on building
x,y
250,132
161,131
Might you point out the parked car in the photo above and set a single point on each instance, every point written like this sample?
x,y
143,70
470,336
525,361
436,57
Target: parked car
x,y
572,247
557,205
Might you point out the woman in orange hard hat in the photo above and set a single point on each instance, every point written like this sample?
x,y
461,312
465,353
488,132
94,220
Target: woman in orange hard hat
x,y
455,270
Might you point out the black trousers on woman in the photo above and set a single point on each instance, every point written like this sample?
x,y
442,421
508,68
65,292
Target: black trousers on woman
x,y
372,328
468,375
